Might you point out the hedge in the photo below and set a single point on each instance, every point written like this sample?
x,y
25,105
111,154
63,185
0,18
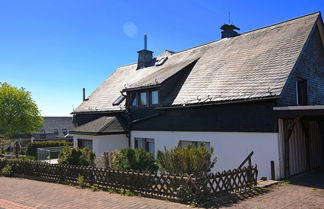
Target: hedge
x,y
32,147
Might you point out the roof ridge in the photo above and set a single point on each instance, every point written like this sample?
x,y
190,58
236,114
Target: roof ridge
x,y
248,32
178,52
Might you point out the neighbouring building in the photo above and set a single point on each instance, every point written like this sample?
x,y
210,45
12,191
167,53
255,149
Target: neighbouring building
x,y
258,91
55,128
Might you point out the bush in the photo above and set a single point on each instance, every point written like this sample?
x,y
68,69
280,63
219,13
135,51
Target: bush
x,y
186,160
76,156
7,171
32,147
135,159
81,181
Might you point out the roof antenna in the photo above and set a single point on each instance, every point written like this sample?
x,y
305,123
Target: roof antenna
x,y
229,18
145,42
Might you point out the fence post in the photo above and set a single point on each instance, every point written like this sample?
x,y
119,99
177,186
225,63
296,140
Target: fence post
x,y
273,176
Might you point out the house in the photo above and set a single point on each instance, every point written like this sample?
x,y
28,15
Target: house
x,y
258,91
55,128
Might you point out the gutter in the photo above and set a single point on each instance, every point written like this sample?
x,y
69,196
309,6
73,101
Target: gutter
x,y
218,103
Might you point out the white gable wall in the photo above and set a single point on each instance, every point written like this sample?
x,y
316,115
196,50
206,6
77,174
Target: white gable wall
x,y
105,143
230,148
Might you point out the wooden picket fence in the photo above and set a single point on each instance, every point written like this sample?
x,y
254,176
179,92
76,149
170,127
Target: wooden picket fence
x,y
144,183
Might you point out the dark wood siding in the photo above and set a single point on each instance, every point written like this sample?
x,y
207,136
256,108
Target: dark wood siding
x,y
240,117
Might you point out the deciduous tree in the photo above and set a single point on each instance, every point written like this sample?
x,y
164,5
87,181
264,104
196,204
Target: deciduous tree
x,y
19,114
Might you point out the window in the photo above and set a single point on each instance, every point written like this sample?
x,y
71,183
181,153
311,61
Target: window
x,y
56,132
143,99
301,91
145,143
134,100
64,131
82,143
154,97
183,143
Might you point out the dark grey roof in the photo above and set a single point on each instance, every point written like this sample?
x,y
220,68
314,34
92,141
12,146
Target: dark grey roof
x,y
57,122
101,126
252,65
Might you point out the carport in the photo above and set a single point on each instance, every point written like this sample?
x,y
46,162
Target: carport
x,y
301,141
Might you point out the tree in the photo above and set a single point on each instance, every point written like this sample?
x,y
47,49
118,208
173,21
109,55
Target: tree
x,y
19,113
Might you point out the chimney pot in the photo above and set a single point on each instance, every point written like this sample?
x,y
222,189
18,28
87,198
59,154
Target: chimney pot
x,y
83,94
229,31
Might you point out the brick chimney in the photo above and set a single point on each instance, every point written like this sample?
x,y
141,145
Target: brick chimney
x,y
145,57
229,31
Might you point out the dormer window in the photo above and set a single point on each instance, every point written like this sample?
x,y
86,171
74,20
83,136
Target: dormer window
x,y
143,99
154,97
134,100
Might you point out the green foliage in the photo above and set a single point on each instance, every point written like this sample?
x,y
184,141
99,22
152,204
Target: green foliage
x,y
19,113
29,158
186,160
76,156
32,147
135,159
7,171
81,181
95,187
285,182
126,192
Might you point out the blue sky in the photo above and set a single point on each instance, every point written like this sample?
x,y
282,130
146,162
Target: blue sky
x,y
54,48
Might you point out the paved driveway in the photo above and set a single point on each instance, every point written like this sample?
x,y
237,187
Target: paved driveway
x,y
28,194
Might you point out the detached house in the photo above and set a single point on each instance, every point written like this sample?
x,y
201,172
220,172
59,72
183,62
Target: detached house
x,y
260,91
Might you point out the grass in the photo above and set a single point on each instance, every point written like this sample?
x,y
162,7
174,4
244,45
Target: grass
x,y
285,182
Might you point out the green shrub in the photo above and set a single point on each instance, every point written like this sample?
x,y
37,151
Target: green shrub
x,y
81,181
186,160
135,159
76,156
7,171
94,187
32,147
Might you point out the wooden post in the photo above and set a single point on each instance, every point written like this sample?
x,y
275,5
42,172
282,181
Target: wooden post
x,y
286,148
273,176
305,128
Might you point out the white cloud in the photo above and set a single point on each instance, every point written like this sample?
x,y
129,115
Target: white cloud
x,y
130,29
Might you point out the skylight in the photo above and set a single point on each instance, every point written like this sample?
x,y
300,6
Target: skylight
x,y
119,100
161,61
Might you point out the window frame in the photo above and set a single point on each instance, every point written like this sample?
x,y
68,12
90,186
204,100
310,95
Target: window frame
x,y
301,91
140,99
64,131
56,131
133,96
85,140
196,143
146,144
151,97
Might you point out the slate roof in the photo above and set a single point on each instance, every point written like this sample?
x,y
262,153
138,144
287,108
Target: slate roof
x,y
56,122
253,65
101,126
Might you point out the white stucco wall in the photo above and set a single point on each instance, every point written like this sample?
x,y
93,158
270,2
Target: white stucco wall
x,y
230,148
105,143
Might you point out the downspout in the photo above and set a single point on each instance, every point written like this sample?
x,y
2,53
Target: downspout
x,y
128,115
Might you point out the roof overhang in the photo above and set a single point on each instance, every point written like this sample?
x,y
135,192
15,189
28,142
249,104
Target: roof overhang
x,y
98,111
96,134
310,111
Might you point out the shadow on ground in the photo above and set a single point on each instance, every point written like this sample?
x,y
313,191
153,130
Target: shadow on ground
x,y
230,200
314,179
